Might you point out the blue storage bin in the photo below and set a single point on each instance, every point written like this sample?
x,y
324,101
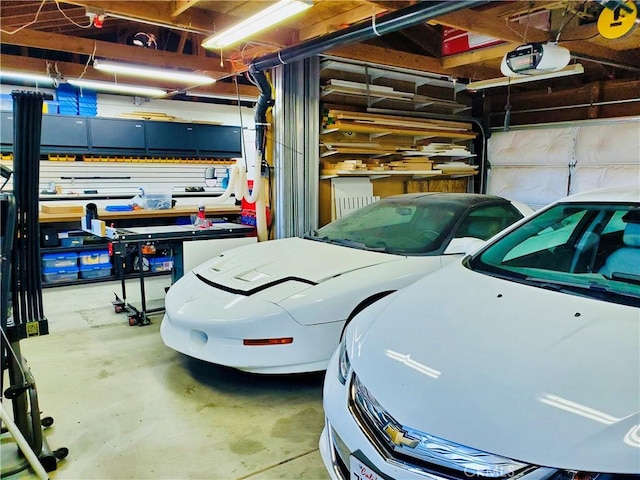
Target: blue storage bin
x,y
94,257
100,270
160,264
59,260
59,274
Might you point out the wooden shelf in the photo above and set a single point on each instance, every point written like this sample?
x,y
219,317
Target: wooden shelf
x,y
373,174
418,102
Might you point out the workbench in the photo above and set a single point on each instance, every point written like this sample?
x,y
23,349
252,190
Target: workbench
x,y
175,235
114,217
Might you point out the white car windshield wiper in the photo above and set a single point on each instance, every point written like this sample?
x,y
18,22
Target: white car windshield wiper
x,y
564,286
352,243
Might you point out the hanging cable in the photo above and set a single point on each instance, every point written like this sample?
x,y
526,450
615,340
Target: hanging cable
x,y
35,19
507,108
70,19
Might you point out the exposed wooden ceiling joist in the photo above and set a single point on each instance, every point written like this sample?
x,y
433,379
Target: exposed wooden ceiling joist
x,y
182,6
342,20
489,25
82,46
195,20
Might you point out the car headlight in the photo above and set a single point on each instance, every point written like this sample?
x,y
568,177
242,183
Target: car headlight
x,y
344,364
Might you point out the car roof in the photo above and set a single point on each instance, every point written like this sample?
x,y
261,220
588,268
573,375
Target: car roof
x,y
611,194
448,197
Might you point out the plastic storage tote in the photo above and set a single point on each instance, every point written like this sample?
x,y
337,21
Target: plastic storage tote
x,y
100,270
160,264
59,260
94,257
59,274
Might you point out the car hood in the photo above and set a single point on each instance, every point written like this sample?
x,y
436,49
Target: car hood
x,y
530,374
258,266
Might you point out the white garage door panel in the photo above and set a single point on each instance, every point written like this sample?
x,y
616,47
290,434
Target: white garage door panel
x,y
535,186
531,147
589,178
606,154
613,144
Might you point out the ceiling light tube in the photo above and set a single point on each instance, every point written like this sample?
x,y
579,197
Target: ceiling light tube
x,y
150,72
27,77
222,96
118,88
574,69
266,18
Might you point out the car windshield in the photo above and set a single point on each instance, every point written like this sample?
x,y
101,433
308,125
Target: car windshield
x,y
584,249
397,226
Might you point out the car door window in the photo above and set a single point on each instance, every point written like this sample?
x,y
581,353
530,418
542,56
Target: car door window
x,y
484,222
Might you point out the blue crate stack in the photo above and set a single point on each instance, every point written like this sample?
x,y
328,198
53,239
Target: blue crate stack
x,y
87,103
67,99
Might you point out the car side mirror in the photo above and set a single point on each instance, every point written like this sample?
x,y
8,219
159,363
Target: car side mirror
x,y
463,245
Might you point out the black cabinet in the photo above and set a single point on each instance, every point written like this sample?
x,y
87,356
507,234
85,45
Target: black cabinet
x,y
221,141
171,138
112,135
63,133
79,135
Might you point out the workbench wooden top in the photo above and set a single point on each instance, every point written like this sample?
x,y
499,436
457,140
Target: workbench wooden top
x,y
180,211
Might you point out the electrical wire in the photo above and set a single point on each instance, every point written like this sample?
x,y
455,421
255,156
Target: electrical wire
x,y
557,40
244,157
89,60
70,19
35,19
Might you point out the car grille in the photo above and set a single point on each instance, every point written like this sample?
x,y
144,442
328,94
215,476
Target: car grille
x,y
417,450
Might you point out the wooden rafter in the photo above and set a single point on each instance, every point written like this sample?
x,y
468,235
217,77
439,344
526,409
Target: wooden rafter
x,y
182,6
489,25
355,15
113,51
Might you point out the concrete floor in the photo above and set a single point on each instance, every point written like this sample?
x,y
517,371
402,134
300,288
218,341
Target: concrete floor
x,y
127,407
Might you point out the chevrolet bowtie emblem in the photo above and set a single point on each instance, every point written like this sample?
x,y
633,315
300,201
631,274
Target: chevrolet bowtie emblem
x,y
400,437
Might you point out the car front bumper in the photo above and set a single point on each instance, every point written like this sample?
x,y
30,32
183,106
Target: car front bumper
x,y
214,327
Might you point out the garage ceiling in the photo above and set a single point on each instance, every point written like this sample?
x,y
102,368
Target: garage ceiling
x,y
57,34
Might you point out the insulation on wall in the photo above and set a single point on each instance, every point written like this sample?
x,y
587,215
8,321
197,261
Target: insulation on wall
x,y
606,155
530,166
540,165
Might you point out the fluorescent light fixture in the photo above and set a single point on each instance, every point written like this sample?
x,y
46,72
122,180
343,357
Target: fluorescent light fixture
x,y
118,88
574,69
27,77
266,18
150,72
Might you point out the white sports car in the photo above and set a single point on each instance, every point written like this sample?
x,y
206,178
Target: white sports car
x,y
521,361
280,306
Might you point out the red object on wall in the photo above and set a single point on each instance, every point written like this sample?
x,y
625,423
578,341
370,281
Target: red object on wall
x,y
248,210
459,41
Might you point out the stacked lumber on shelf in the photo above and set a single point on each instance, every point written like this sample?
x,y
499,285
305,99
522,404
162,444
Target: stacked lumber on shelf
x,y
378,125
444,150
457,168
363,89
413,164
